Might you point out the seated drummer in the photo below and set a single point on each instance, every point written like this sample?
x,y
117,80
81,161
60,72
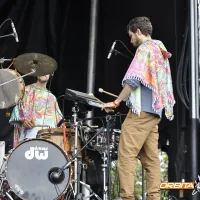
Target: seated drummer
x,y
37,110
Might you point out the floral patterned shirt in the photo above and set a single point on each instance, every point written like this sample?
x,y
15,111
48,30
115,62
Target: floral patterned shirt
x,y
39,105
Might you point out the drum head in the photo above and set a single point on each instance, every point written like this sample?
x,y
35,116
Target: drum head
x,y
28,169
12,92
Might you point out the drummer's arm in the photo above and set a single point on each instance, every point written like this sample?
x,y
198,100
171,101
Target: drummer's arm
x,y
17,118
25,123
28,123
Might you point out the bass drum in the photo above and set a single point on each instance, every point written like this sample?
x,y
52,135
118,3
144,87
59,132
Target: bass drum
x,y
29,168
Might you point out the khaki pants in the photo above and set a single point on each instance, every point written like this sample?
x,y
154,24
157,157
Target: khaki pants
x,y
139,136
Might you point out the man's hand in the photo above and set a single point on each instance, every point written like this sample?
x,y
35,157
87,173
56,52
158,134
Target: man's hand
x,y
108,107
28,123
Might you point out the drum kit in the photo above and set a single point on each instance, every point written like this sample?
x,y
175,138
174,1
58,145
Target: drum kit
x,y
56,164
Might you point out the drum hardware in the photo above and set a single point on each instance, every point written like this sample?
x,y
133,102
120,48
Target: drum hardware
x,y
110,123
30,73
72,189
92,193
79,196
75,110
104,169
83,189
92,126
8,195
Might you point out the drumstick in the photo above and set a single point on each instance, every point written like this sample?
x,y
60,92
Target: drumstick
x,y
103,91
91,94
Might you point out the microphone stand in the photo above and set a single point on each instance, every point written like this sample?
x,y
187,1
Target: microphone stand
x,y
2,60
11,34
124,55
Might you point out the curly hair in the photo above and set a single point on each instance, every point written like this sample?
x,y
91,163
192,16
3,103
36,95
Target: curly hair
x,y
142,23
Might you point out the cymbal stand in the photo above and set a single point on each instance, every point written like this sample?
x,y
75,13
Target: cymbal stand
x,y
75,110
8,35
32,72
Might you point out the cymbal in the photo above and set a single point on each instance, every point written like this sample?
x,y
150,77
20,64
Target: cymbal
x,y
43,64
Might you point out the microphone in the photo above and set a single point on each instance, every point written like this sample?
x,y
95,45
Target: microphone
x,y
111,49
14,32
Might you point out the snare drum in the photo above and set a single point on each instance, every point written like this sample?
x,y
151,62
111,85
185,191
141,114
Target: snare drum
x,y
56,136
10,93
29,167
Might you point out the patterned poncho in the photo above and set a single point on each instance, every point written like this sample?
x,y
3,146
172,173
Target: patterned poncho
x,y
39,105
151,67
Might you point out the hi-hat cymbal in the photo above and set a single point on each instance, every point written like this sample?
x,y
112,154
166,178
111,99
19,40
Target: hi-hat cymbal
x,y
43,64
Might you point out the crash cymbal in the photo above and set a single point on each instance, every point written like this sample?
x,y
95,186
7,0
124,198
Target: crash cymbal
x,y
43,64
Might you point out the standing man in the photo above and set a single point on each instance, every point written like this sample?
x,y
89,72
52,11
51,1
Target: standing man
x,y
37,110
147,90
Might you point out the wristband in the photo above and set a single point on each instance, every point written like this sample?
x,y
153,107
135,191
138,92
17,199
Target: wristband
x,y
116,104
